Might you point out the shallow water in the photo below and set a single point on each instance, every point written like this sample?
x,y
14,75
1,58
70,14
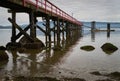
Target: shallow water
x,y
71,62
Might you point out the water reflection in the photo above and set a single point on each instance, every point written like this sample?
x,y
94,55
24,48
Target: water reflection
x,y
108,49
95,32
108,34
36,62
93,36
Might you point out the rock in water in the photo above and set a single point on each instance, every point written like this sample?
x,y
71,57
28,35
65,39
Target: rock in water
x,y
13,46
2,48
37,44
109,48
87,48
3,55
114,74
96,73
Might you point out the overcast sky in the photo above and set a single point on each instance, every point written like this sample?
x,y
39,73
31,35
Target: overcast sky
x,y
83,10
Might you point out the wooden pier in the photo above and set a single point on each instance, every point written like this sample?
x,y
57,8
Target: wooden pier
x,y
63,22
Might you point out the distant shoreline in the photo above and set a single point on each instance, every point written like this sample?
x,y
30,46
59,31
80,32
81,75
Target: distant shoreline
x,y
5,28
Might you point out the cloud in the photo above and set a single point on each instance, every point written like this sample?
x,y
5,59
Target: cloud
x,y
4,15
101,10
84,10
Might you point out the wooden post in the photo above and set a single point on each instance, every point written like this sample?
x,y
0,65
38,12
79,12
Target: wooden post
x,y
35,25
108,27
108,30
54,30
20,29
67,34
20,34
48,31
13,28
58,33
32,25
92,31
69,30
92,25
46,36
63,30
93,36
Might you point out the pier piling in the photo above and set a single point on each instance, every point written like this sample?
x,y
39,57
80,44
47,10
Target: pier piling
x,y
63,22
93,25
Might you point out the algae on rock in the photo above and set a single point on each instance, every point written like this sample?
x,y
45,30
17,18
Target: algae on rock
x,y
109,48
87,48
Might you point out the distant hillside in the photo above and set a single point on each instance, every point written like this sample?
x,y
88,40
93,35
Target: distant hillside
x,y
24,25
98,25
103,24
5,27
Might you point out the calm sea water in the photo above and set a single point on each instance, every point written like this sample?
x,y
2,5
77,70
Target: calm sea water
x,y
73,62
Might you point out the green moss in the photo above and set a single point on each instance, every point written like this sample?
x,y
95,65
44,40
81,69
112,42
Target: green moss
x,y
87,48
109,48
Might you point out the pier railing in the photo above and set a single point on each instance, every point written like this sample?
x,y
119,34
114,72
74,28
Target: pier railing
x,y
52,9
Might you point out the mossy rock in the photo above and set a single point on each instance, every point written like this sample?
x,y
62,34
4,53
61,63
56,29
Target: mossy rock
x,y
2,48
114,74
13,46
87,48
96,73
37,44
57,48
109,48
3,56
